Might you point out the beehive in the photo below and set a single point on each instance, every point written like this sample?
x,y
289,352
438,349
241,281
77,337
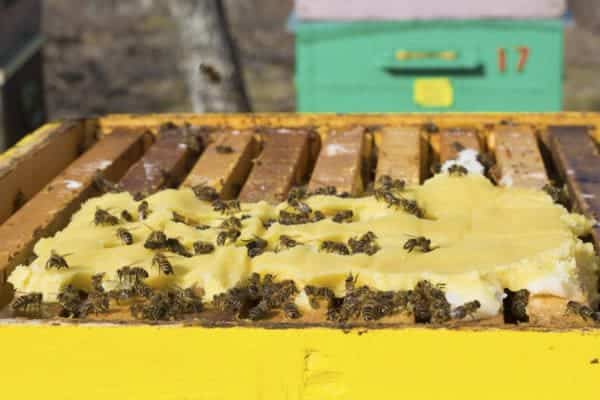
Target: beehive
x,y
277,360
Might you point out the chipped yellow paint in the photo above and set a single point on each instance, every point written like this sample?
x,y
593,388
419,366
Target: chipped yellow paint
x,y
145,362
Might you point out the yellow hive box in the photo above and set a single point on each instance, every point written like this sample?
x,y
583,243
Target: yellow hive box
x,y
60,359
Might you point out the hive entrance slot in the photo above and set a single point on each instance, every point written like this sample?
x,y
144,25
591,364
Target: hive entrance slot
x,y
476,71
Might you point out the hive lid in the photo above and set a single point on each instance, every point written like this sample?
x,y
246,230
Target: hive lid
x,y
352,10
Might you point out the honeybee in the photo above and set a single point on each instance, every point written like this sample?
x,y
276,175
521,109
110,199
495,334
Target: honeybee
x,y
138,274
300,206
123,273
28,302
430,291
317,216
387,197
144,209
315,294
231,234
343,216
583,311
157,308
286,242
182,219
175,246
370,310
143,290
351,307
104,218
330,246
96,303
420,308
350,283
420,243
255,246
201,247
364,244
221,302
457,170
386,182
326,190
188,301
297,193
84,309
224,149
70,298
126,216
411,207
254,286
97,282
57,261
231,223
260,311
279,293
163,264
520,300
100,302
125,236
440,310
131,275
288,218
558,194
156,240
226,206
401,299
290,310
467,309
204,192
103,185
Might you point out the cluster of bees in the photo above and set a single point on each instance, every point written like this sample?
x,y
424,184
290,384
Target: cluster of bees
x,y
426,302
389,191
261,297
258,298
365,243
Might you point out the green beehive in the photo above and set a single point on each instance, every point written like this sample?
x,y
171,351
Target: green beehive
x,y
429,66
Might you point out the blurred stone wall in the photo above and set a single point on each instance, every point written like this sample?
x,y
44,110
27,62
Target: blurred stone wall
x,y
125,56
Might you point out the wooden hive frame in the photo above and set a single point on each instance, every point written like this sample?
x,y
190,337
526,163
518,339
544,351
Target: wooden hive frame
x,y
290,361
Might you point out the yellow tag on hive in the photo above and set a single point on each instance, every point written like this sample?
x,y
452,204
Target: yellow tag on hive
x,y
433,92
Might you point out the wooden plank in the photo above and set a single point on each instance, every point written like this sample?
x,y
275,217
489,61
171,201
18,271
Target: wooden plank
x,y
340,161
50,210
576,155
518,157
26,172
225,171
280,166
402,154
164,165
452,141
